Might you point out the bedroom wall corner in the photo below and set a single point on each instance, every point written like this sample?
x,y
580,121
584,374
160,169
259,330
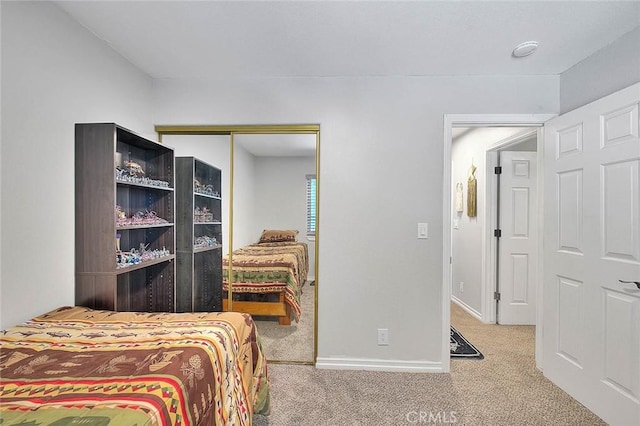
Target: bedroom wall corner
x,y
55,73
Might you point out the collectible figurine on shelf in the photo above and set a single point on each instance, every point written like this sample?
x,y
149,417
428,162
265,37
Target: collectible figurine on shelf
x,y
134,169
204,189
124,259
197,186
209,190
205,241
133,172
140,218
120,214
202,214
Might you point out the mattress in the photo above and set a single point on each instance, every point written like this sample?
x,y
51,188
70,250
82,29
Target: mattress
x,y
76,365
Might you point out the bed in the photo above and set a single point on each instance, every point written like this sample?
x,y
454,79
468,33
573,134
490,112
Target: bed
x,y
268,276
76,365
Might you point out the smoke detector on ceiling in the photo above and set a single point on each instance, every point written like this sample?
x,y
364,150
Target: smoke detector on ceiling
x,y
525,49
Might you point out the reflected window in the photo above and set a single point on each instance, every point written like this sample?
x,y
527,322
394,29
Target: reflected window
x,y
311,205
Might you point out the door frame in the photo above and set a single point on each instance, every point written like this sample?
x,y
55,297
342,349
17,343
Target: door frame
x,y
482,120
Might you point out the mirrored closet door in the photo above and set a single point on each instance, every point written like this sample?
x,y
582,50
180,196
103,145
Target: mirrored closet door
x,y
269,186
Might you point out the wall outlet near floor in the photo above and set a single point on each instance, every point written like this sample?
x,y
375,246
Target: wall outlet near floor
x,y
383,336
461,286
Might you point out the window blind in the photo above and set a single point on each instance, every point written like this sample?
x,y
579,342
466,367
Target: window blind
x,y
311,205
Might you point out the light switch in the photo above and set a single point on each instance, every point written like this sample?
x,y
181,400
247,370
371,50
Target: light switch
x,y
423,230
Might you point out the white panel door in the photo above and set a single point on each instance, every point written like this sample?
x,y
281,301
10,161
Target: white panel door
x,y
591,241
517,264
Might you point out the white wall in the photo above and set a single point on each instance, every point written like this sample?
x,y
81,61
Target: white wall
x,y
281,201
54,74
245,230
467,240
610,69
381,173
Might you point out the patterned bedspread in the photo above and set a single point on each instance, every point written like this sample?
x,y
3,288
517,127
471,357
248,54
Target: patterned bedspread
x,y
80,366
269,268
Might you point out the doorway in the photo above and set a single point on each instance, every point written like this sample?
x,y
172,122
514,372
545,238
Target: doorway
x,y
484,298
474,263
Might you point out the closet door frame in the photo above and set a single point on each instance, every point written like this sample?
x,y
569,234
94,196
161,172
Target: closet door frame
x,y
268,129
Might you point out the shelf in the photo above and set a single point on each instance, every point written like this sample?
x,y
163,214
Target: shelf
x,y
141,185
145,264
158,225
203,249
198,269
101,149
213,197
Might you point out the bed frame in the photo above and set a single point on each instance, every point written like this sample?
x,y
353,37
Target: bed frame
x,y
280,309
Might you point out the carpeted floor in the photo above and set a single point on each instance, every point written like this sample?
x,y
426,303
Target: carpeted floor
x,y
505,388
290,342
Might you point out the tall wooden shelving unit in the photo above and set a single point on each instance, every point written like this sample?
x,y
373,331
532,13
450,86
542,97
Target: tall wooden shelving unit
x,y
103,281
199,236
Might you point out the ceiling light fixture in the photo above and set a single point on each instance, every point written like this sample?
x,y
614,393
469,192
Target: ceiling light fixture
x,y
525,49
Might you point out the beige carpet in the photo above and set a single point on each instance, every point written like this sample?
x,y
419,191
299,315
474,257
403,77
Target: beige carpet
x,y
503,389
290,342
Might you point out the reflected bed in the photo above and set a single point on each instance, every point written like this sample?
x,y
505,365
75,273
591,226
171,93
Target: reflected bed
x,y
267,279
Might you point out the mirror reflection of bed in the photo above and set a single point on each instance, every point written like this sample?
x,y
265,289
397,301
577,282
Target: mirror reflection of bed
x,y
268,192
266,278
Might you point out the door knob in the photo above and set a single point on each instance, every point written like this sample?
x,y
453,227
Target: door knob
x,y
637,283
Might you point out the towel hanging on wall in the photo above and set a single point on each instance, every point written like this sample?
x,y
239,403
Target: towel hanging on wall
x,y
471,192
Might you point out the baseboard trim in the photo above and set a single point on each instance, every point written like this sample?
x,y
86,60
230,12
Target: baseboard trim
x,y
379,365
467,308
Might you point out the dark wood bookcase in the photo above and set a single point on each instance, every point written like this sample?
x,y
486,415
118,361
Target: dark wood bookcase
x,y
199,236
117,170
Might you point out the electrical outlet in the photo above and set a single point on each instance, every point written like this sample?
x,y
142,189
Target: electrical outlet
x,y
462,286
383,336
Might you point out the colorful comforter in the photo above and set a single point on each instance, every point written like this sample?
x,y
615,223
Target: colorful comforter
x,y
80,366
269,268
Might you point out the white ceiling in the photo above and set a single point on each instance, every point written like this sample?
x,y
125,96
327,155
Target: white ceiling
x,y
225,39
265,39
